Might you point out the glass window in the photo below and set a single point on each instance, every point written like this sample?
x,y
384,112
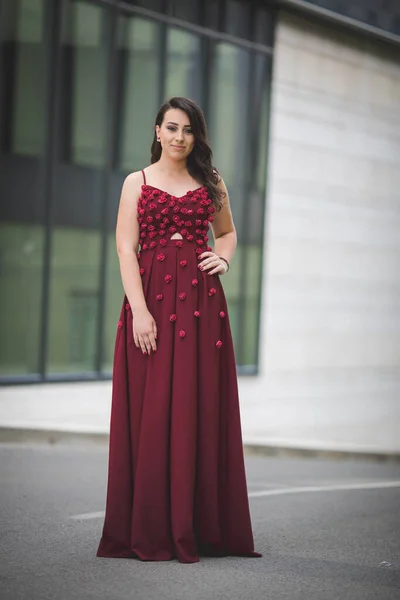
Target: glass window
x,y
263,26
183,64
211,13
78,193
138,68
114,296
156,5
84,77
139,85
228,125
25,94
188,11
238,18
23,89
379,13
255,207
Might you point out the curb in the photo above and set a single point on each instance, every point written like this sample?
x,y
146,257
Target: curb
x,y
14,435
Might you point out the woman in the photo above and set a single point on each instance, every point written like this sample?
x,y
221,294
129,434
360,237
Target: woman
x,y
176,485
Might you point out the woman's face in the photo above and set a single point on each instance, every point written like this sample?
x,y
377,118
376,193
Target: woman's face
x,y
175,133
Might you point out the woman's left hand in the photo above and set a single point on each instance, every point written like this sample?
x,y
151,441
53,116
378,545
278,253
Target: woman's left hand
x,y
210,260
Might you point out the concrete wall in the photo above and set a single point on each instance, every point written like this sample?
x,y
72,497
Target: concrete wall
x,y
330,342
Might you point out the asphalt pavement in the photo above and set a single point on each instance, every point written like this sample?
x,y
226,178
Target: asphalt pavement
x,y
328,530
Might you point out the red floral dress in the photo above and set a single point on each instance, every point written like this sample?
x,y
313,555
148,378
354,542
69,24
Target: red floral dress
x,y
176,483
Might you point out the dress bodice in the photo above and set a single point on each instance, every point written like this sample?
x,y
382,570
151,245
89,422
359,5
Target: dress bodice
x,y
162,215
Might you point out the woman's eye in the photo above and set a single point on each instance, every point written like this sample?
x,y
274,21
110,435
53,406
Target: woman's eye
x,y
189,131
171,128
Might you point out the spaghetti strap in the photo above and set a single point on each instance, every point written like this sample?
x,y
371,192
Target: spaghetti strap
x,y
144,177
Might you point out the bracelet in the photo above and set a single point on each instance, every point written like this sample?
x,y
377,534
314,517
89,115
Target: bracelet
x,y
225,261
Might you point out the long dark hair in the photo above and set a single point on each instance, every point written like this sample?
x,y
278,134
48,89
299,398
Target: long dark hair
x,y
199,162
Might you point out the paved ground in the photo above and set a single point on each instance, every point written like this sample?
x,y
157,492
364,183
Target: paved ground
x,y
326,542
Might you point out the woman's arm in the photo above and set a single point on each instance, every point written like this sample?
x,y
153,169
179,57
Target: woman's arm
x,y
224,233
144,327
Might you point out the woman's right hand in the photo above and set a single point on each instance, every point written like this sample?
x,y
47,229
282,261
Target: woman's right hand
x,y
144,330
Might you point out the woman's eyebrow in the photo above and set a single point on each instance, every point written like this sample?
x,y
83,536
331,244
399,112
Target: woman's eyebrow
x,y
177,124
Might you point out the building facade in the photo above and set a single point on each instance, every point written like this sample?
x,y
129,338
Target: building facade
x,y
314,185
82,82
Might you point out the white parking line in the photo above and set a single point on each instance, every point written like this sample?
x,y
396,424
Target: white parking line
x,y
378,485
87,516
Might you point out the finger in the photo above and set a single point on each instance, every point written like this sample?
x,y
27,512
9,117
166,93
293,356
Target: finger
x,y
153,342
208,260
205,254
142,345
147,343
155,330
135,339
217,270
211,264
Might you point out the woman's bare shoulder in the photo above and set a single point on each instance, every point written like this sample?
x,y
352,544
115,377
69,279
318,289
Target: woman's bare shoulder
x,y
133,180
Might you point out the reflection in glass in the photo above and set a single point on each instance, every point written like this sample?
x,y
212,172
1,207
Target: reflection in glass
x,y
228,132
85,62
187,11
139,64
114,296
183,64
23,87
238,18
78,188
255,214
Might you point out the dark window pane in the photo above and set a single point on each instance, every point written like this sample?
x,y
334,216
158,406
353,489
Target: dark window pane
x,y
22,171
188,11
384,14
210,16
78,189
156,5
263,26
238,18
